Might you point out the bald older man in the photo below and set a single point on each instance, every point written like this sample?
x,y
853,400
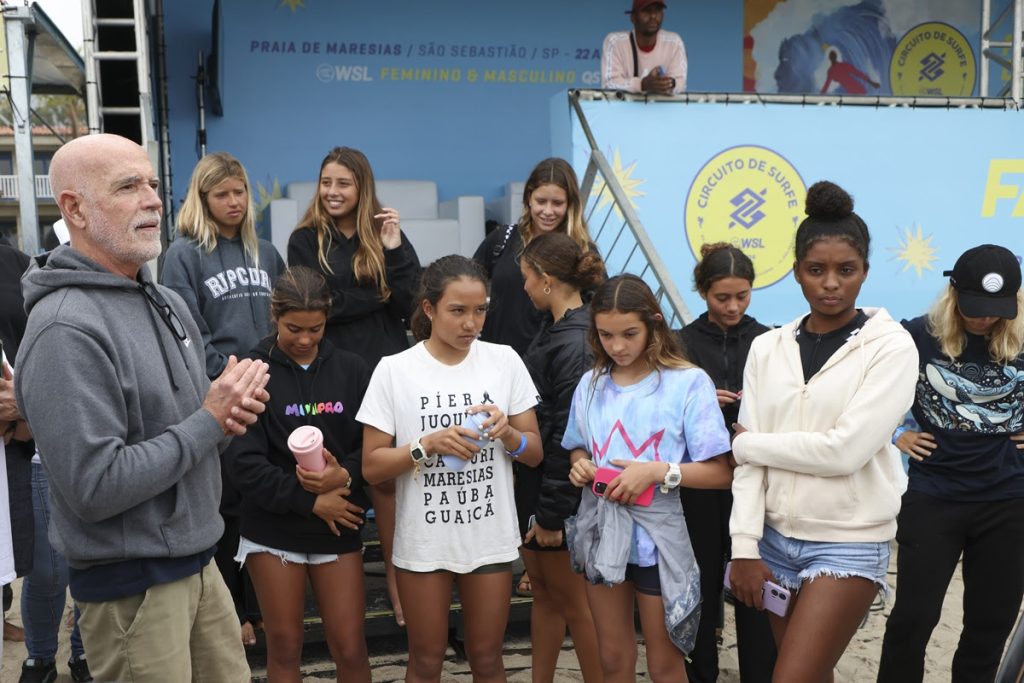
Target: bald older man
x,y
112,382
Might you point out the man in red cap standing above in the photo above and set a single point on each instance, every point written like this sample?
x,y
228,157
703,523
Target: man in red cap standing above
x,y
645,59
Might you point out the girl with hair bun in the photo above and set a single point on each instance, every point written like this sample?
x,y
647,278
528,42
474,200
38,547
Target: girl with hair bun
x,y
643,422
718,342
555,271
966,491
455,503
817,486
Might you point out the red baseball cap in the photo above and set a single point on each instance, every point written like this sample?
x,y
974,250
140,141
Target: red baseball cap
x,y
640,4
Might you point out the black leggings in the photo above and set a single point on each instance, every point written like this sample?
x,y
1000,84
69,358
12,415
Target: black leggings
x,y
235,576
932,534
707,520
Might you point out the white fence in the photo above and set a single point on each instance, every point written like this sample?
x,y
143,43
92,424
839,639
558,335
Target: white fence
x,y
9,187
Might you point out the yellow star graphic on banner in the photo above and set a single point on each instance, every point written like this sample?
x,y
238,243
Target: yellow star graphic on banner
x,y
293,4
626,181
915,251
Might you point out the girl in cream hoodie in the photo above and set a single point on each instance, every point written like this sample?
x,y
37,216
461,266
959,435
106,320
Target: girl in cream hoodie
x,y
818,485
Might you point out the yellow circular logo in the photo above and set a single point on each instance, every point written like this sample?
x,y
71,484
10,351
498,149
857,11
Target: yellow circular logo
x,y
752,198
933,60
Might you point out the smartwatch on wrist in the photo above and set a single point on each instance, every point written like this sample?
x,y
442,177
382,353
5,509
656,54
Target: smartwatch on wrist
x,y
673,478
417,452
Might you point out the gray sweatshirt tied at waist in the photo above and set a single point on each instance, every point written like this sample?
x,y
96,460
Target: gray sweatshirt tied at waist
x,y
599,539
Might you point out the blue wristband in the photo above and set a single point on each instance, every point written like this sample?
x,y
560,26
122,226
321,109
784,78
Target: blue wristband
x,y
519,449
899,431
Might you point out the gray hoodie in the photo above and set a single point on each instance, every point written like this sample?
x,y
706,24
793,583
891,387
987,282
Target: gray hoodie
x,y
228,296
114,400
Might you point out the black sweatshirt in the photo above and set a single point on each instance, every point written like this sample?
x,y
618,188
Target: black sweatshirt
x,y
512,318
276,510
13,264
556,359
721,354
359,321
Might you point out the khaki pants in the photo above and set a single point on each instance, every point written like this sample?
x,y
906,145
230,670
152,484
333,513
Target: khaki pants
x,y
181,631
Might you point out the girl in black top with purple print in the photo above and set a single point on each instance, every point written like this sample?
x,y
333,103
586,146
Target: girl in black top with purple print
x,y
299,524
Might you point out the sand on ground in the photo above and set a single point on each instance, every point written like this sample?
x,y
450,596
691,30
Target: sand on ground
x,y
858,665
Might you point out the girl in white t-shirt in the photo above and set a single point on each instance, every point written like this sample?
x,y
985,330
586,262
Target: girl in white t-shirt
x,y
455,508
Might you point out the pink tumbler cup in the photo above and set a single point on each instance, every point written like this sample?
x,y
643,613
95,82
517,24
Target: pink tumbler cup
x,y
307,445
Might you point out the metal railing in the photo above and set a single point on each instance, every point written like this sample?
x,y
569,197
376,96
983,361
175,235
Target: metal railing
x,y
9,187
618,233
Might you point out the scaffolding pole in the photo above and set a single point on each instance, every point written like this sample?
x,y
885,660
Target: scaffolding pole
x,y
19,58
1013,62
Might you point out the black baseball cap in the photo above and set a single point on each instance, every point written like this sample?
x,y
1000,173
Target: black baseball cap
x,y
986,280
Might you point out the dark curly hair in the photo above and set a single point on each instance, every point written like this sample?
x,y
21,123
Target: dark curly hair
x,y
830,215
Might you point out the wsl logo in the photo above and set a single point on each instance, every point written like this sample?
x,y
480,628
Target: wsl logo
x,y
933,60
753,198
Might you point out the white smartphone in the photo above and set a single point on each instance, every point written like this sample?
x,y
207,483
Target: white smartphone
x,y
774,597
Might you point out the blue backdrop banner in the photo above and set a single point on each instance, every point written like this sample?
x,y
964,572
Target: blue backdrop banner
x,y
929,182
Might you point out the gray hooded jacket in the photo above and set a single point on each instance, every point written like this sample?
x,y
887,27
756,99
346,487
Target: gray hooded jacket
x,y
114,400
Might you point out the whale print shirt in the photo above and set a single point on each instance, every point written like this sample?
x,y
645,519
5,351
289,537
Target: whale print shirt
x,y
971,405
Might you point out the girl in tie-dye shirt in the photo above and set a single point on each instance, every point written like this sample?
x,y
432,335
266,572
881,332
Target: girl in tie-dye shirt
x,y
647,412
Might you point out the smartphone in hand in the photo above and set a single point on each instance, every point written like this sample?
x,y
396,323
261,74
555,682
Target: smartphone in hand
x,y
774,597
604,476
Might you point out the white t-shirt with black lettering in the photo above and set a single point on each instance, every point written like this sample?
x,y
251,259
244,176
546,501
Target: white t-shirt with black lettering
x,y
455,521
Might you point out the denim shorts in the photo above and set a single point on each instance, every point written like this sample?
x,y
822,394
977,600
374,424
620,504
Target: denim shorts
x,y
247,547
793,561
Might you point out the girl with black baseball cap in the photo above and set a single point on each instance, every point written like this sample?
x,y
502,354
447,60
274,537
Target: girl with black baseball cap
x,y
966,491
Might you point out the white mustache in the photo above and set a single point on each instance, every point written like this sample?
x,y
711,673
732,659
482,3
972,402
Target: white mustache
x,y
146,219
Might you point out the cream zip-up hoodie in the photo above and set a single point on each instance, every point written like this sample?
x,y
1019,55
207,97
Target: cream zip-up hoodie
x,y
816,462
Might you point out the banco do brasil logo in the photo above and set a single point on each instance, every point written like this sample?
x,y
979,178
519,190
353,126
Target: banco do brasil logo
x,y
933,60
753,198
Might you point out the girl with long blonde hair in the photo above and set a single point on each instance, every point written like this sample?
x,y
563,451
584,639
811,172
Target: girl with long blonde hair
x,y
225,274
358,245
219,266
965,497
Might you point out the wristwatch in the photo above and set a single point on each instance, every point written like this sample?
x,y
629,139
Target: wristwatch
x,y
417,452
672,478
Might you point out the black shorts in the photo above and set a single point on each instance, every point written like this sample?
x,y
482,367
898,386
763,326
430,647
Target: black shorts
x,y
644,579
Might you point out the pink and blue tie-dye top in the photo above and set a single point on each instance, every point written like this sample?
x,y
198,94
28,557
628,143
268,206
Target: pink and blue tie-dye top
x,y
668,416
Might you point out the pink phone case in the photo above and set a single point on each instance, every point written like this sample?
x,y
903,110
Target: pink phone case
x,y
774,597
604,476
